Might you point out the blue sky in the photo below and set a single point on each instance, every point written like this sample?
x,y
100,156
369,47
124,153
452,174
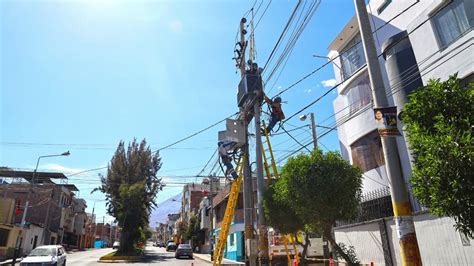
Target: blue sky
x,y
83,75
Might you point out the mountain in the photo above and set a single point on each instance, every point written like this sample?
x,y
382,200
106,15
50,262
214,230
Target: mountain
x,y
160,213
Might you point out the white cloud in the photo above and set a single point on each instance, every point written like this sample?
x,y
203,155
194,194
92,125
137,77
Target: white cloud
x,y
307,90
329,83
60,168
176,26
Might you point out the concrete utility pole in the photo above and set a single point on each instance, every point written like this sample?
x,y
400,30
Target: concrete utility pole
x,y
211,218
313,130
261,224
248,184
409,251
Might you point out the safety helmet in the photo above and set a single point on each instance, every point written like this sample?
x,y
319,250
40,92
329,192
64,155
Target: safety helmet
x,y
277,100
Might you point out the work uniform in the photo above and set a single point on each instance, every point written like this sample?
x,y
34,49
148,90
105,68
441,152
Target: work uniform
x,y
276,113
224,148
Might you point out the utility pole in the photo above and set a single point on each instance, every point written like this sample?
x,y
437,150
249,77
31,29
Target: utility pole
x,y
102,232
248,183
261,224
409,251
211,218
263,256
313,130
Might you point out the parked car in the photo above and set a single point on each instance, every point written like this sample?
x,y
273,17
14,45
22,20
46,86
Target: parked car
x,y
184,250
171,246
116,245
46,255
159,244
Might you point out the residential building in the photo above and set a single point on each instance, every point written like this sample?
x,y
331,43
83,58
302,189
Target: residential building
x,y
416,41
9,232
235,247
205,213
52,208
192,196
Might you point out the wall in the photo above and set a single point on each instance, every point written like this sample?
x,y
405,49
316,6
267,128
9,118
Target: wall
x,y
439,243
7,209
366,240
29,236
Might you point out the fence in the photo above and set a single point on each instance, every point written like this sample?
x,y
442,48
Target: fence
x,y
374,205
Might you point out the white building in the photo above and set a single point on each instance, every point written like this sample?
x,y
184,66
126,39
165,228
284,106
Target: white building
x,y
416,41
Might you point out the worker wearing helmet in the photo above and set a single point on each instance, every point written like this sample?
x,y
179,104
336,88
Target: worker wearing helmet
x,y
226,147
276,112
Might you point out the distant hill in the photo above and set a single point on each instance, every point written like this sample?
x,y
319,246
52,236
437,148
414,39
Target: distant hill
x,y
160,214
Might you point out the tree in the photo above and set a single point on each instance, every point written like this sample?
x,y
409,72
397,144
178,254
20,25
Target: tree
x,y
280,215
439,124
130,187
317,190
192,230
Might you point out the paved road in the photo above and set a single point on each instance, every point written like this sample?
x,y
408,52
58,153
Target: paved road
x,y
155,256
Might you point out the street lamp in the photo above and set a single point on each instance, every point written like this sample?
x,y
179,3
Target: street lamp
x,y
44,156
313,128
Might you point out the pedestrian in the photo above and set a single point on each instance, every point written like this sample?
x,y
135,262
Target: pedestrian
x,y
276,114
225,149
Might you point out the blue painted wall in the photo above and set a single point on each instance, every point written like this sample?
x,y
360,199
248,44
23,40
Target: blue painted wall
x,y
234,249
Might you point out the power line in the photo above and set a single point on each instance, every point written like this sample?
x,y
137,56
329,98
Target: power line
x,y
355,44
196,133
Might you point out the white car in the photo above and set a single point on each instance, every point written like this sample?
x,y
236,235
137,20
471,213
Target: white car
x,y
46,255
116,245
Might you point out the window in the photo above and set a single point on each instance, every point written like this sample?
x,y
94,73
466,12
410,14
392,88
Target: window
x,y
452,21
367,152
383,6
359,94
352,57
4,237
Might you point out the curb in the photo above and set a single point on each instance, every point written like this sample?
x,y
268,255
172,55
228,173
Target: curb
x,y
224,263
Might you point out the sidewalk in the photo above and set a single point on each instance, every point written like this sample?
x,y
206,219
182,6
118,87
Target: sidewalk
x,y
5,262
225,262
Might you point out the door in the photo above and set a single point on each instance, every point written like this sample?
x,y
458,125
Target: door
x,y
35,242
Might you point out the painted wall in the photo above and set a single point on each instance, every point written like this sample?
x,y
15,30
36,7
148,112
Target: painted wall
x,y
29,238
439,242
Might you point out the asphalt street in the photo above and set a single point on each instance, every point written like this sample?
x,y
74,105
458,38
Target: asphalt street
x,y
154,256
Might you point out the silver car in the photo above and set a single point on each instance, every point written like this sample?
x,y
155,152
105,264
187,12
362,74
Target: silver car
x,y
46,255
184,250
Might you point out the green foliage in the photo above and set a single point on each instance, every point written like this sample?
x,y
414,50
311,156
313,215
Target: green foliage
x,y
350,251
439,124
130,187
278,212
312,193
148,233
192,231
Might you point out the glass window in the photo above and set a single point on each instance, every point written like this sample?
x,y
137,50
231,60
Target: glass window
x,y
231,240
352,57
383,6
451,22
367,152
359,94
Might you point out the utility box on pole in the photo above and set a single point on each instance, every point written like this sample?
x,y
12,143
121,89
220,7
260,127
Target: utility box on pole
x,y
249,87
235,131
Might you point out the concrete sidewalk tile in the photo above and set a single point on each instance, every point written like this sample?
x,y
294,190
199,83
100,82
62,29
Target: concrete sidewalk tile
x,y
226,262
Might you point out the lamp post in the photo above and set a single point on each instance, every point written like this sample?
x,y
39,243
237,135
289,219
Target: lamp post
x,y
313,128
330,59
46,218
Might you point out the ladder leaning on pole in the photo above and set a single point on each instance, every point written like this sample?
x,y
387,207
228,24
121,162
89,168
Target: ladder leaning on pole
x,y
272,158
275,174
229,213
